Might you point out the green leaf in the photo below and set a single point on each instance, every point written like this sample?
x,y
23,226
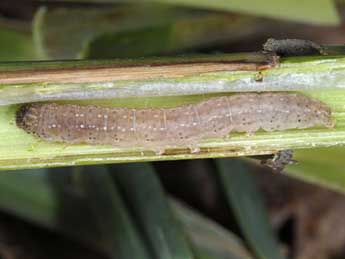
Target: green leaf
x,y
137,43
309,11
29,195
81,203
322,166
82,25
16,41
120,234
131,30
208,237
144,195
44,197
184,33
247,205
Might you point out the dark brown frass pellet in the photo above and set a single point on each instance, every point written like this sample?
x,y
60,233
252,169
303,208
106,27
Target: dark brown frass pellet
x,y
292,47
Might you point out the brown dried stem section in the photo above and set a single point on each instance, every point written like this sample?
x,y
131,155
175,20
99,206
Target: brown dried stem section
x,y
145,70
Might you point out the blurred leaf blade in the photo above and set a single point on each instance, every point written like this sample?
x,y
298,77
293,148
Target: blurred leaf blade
x,y
120,232
317,12
182,34
83,25
67,189
322,166
209,237
38,205
35,196
60,199
16,42
131,30
247,205
144,195
304,11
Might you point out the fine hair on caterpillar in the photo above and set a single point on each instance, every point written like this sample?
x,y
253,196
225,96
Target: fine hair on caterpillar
x,y
184,126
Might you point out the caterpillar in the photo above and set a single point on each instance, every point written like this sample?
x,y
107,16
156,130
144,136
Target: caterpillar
x,y
161,128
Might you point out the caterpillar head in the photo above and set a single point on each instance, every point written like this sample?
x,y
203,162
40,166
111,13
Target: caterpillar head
x,y
27,117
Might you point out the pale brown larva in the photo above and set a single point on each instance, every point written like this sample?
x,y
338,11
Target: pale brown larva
x,y
159,129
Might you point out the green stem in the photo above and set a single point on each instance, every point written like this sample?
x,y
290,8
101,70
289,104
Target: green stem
x,y
171,83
